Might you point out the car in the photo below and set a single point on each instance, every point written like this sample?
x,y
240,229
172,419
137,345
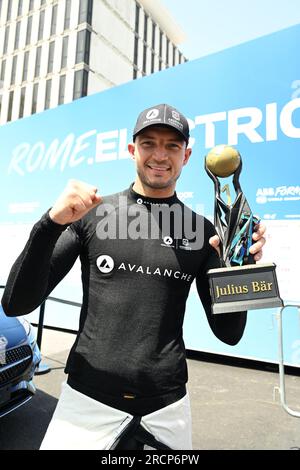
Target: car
x,y
19,358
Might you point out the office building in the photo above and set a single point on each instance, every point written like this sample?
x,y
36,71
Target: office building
x,y
55,51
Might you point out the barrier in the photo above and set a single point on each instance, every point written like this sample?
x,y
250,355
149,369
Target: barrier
x,y
281,388
42,367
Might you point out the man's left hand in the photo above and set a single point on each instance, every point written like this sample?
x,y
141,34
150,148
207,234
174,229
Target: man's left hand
x,y
255,249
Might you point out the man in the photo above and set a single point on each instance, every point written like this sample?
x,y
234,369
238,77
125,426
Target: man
x,y
127,370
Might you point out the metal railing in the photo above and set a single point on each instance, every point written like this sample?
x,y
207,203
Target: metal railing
x,y
44,368
281,388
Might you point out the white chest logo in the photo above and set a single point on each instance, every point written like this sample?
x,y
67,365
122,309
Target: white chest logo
x,y
105,264
168,240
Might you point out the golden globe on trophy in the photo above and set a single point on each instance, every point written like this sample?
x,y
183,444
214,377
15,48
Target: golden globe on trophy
x,y
240,284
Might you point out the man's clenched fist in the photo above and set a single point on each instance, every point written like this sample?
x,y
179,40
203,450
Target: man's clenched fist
x,y
76,200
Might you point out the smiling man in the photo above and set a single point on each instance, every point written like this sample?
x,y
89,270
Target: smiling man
x,y
127,370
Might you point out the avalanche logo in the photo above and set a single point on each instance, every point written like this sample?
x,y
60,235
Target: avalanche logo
x,y
105,264
168,240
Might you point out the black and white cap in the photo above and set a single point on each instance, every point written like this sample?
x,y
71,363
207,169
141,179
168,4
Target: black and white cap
x,y
162,115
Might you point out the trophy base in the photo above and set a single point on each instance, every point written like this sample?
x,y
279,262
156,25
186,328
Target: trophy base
x,y
240,288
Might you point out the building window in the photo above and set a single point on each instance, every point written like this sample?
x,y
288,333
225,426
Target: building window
x,y
85,11
54,20
137,18
17,36
146,28
43,2
41,25
167,52
174,54
29,29
83,46
144,59
160,49
145,44
64,55
136,40
136,49
153,47
67,14
22,102
10,105
48,94
9,6
37,69
62,89
31,5
34,98
51,57
160,43
152,62
2,75
20,7
80,84
153,36
6,37
13,70
25,66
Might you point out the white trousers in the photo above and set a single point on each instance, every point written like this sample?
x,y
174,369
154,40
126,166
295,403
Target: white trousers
x,y
79,422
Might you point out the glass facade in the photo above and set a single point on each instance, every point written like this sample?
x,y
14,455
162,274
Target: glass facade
x,y
85,11
34,98
80,84
83,46
51,57
64,54
20,8
54,20
10,104
22,102
25,66
37,69
67,14
14,70
34,32
48,93
29,30
62,89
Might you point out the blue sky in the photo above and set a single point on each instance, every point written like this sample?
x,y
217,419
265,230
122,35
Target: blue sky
x,y
213,25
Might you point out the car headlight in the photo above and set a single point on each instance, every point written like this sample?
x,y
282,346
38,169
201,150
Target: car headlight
x,y
29,330
26,325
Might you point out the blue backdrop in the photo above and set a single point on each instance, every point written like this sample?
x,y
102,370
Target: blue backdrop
x,y
247,96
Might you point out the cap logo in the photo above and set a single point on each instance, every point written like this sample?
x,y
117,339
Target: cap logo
x,y
176,115
152,114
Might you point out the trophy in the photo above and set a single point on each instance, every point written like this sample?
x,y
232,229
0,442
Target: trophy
x,y
240,284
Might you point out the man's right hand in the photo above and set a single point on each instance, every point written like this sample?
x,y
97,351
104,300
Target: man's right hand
x,y
76,200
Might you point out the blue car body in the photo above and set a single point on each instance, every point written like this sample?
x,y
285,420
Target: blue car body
x,y
19,357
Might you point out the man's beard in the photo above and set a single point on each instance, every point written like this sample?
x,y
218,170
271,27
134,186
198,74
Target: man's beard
x,y
157,184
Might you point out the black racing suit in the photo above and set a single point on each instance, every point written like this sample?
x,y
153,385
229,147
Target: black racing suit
x,y
129,342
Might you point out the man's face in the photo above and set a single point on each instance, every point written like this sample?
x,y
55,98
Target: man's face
x,y
160,153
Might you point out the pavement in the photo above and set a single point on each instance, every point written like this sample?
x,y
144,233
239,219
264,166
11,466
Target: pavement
x,y
234,406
